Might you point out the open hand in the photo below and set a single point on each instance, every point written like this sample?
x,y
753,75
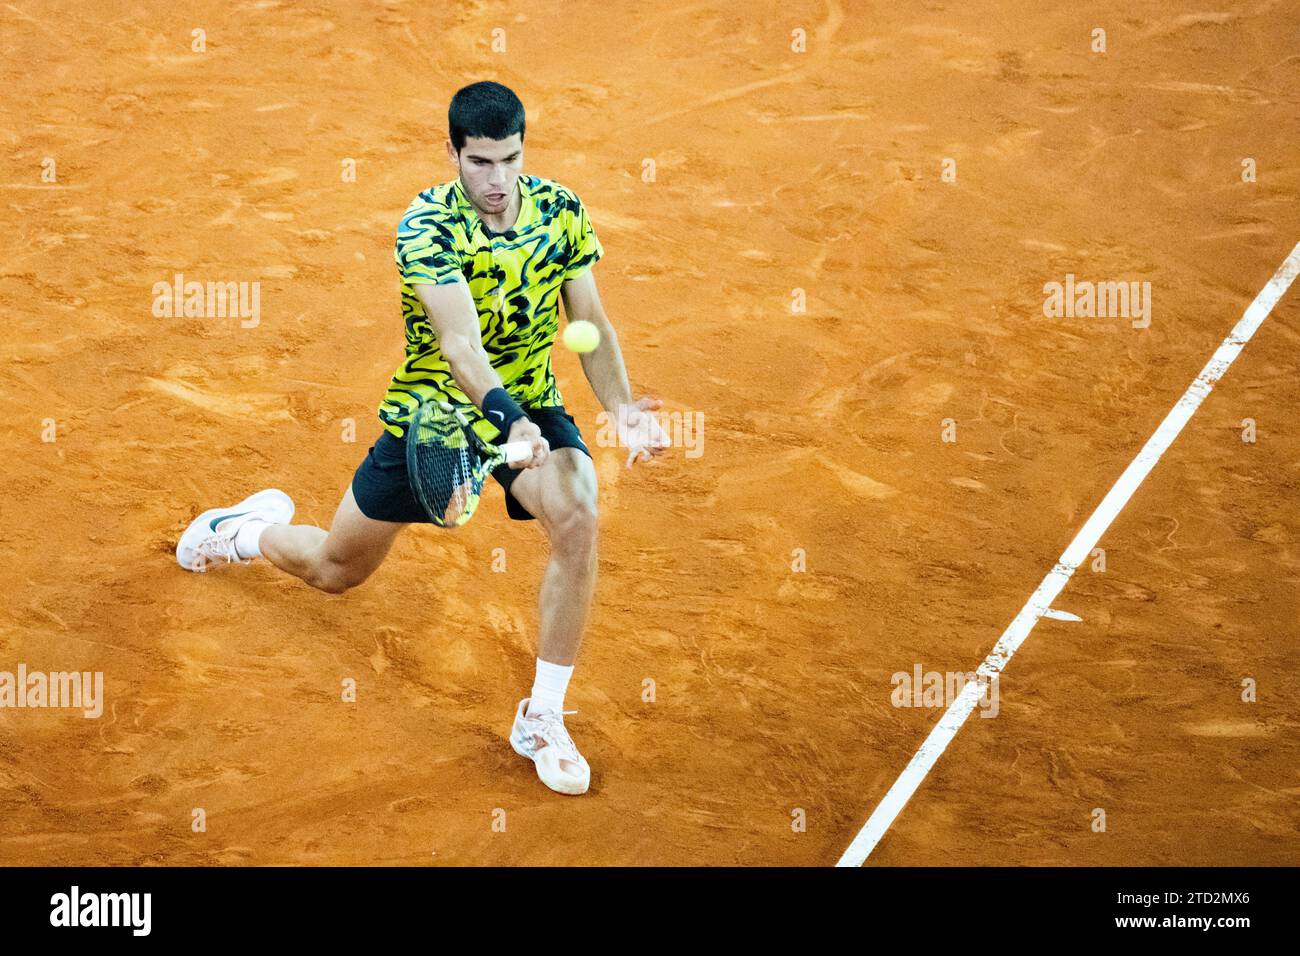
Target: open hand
x,y
639,431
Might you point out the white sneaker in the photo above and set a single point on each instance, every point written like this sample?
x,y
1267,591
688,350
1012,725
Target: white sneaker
x,y
544,740
211,536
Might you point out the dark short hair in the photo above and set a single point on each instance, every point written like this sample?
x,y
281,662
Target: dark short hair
x,y
485,110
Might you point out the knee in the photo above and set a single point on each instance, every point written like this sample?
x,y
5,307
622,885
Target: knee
x,y
573,530
336,578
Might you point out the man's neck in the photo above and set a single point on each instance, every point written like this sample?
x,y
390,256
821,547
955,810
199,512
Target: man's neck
x,y
503,222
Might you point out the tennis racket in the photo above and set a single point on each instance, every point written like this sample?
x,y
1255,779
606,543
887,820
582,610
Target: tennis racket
x,y
448,463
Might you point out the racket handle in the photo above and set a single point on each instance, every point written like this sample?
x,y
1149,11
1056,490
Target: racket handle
x,y
517,451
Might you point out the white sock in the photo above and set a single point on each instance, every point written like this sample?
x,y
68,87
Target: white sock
x,y
249,536
549,685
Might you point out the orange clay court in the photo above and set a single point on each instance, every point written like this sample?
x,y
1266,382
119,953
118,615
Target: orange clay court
x,y
774,169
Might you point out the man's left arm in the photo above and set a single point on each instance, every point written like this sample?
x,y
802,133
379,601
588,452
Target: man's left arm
x,y
607,373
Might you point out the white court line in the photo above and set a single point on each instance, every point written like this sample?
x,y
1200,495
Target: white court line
x,y
1041,600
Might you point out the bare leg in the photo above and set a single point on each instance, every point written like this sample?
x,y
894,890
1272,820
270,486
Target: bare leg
x,y
336,560
561,494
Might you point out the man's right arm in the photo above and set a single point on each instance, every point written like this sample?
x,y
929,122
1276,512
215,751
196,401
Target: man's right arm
x,y
451,312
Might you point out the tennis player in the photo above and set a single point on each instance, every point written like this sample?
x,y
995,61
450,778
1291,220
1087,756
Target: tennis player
x,y
484,260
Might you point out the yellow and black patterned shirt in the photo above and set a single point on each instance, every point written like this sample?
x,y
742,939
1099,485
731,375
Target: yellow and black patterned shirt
x,y
514,278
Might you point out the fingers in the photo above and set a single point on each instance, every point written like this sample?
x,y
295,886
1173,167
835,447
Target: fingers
x,y
641,431
657,440
646,440
646,451
524,430
541,450
635,455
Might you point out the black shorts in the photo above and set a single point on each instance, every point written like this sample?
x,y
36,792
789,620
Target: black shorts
x,y
383,491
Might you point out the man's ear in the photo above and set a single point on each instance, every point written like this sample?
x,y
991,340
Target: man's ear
x,y
451,154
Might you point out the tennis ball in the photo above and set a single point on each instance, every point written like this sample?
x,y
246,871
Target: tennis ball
x,y
581,336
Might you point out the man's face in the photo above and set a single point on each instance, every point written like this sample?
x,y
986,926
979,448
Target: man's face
x,y
489,170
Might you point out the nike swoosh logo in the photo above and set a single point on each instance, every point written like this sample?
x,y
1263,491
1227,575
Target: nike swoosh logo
x,y
500,415
220,518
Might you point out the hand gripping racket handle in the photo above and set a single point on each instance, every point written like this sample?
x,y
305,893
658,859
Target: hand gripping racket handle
x,y
517,451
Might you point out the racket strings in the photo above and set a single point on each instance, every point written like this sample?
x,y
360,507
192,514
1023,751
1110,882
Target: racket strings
x,y
447,471
444,480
